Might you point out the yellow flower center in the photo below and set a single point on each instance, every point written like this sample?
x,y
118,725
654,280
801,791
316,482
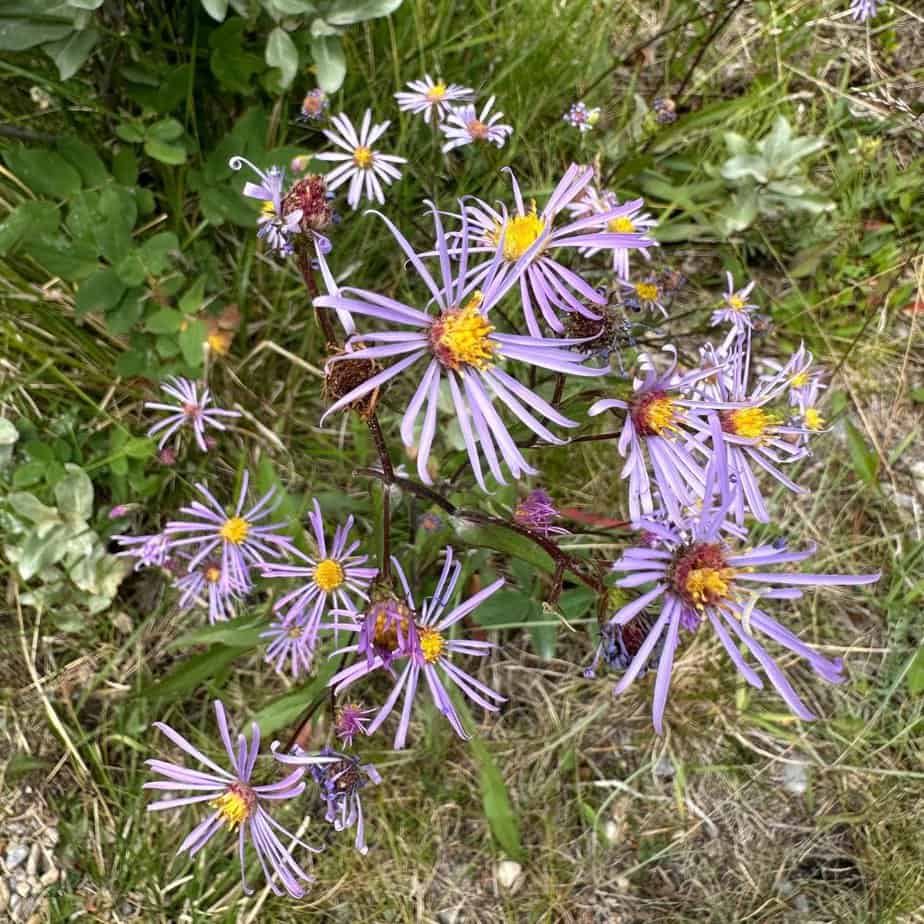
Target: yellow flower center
x,y
653,414
432,644
621,225
362,157
294,631
462,336
749,422
800,379
477,129
520,233
813,420
387,623
736,302
235,805
708,585
646,291
234,530
328,575
219,343
268,208
437,92
212,574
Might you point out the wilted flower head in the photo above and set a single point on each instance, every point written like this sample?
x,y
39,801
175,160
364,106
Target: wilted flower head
x,y
148,551
526,241
275,226
697,576
464,125
457,342
420,638
365,168
241,538
432,99
314,105
191,410
202,585
351,720
665,110
310,198
339,784
236,803
537,512
582,118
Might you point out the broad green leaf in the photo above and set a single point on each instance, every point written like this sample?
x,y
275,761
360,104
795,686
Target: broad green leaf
x,y
172,153
347,12
191,673
69,54
164,321
100,292
84,158
30,507
864,458
241,632
282,53
165,130
192,340
74,493
287,709
25,25
60,256
329,61
139,447
504,607
229,61
217,9
502,540
36,217
44,172
129,132
194,296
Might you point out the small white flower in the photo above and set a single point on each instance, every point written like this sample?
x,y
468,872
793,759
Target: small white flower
x,y
464,126
365,168
431,98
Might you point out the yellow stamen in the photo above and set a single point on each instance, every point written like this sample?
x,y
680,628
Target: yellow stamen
x,y
708,585
212,574
736,302
234,530
750,422
437,92
621,225
646,291
800,379
520,233
268,208
362,157
328,575
235,805
462,337
432,644
659,414
813,420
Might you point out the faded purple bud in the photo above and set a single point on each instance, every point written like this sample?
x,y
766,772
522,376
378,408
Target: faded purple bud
x,y
537,512
431,523
119,511
314,106
167,456
351,721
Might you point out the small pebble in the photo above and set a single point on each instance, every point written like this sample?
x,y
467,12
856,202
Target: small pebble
x,y
508,873
23,888
15,855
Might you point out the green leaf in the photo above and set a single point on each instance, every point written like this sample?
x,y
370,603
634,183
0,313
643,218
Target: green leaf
x,y
25,25
864,458
84,158
231,64
241,632
194,297
504,607
130,132
44,172
191,673
74,493
915,676
71,260
329,61
30,507
8,437
347,12
165,130
36,217
217,9
191,342
100,292
287,709
69,54
502,540
139,447
282,53
125,166
166,152
164,321
495,799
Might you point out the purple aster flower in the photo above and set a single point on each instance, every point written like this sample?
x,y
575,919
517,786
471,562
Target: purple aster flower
x,y
243,542
796,373
202,585
736,310
697,576
314,106
432,99
334,576
647,294
351,720
340,784
149,551
537,512
365,168
459,342
191,409
582,118
595,202
755,436
531,236
236,803
663,422
289,641
420,638
862,10
464,125
276,226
